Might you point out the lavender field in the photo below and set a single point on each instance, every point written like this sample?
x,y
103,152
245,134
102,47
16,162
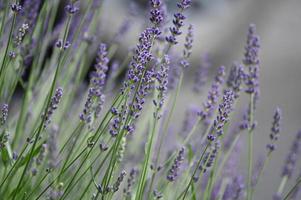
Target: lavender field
x,y
150,99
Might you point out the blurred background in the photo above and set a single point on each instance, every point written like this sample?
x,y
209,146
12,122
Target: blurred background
x,y
220,28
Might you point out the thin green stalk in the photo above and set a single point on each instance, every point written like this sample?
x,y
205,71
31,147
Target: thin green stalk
x,y
165,130
2,70
250,148
293,189
193,174
282,185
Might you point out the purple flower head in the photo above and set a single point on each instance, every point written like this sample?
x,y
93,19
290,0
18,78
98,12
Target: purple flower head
x,y
156,13
142,55
235,79
251,60
4,114
174,170
54,102
143,91
95,100
224,109
16,7
202,73
209,156
71,9
214,93
184,4
21,33
292,156
178,22
275,130
130,182
162,78
119,181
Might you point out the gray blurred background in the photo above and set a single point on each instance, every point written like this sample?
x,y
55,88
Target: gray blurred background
x,y
220,29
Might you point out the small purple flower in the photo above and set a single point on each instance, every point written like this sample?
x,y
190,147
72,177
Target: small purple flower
x,y
291,159
162,78
4,114
173,171
251,61
55,100
156,13
71,9
96,97
235,79
178,22
214,93
224,109
275,130
119,180
16,7
130,182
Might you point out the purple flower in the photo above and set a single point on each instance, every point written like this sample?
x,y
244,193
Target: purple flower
x,y
201,74
274,130
156,13
173,171
71,9
130,182
162,78
251,60
291,159
16,7
235,79
224,109
214,92
55,100
95,100
4,114
119,180
178,22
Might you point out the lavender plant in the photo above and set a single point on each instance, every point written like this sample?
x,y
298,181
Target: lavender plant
x,y
81,145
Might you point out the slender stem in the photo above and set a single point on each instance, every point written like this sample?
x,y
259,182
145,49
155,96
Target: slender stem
x,y
250,147
293,189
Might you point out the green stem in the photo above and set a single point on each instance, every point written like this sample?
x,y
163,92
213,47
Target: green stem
x,y
250,148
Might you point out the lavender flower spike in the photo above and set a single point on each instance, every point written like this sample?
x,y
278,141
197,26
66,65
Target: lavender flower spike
x,y
292,156
4,114
119,181
173,172
251,60
178,22
224,109
214,93
95,100
235,79
274,130
55,100
188,46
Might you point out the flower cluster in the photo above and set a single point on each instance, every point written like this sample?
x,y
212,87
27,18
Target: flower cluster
x,y
174,170
4,114
251,60
178,22
236,78
291,159
95,100
224,109
214,92
275,130
55,100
